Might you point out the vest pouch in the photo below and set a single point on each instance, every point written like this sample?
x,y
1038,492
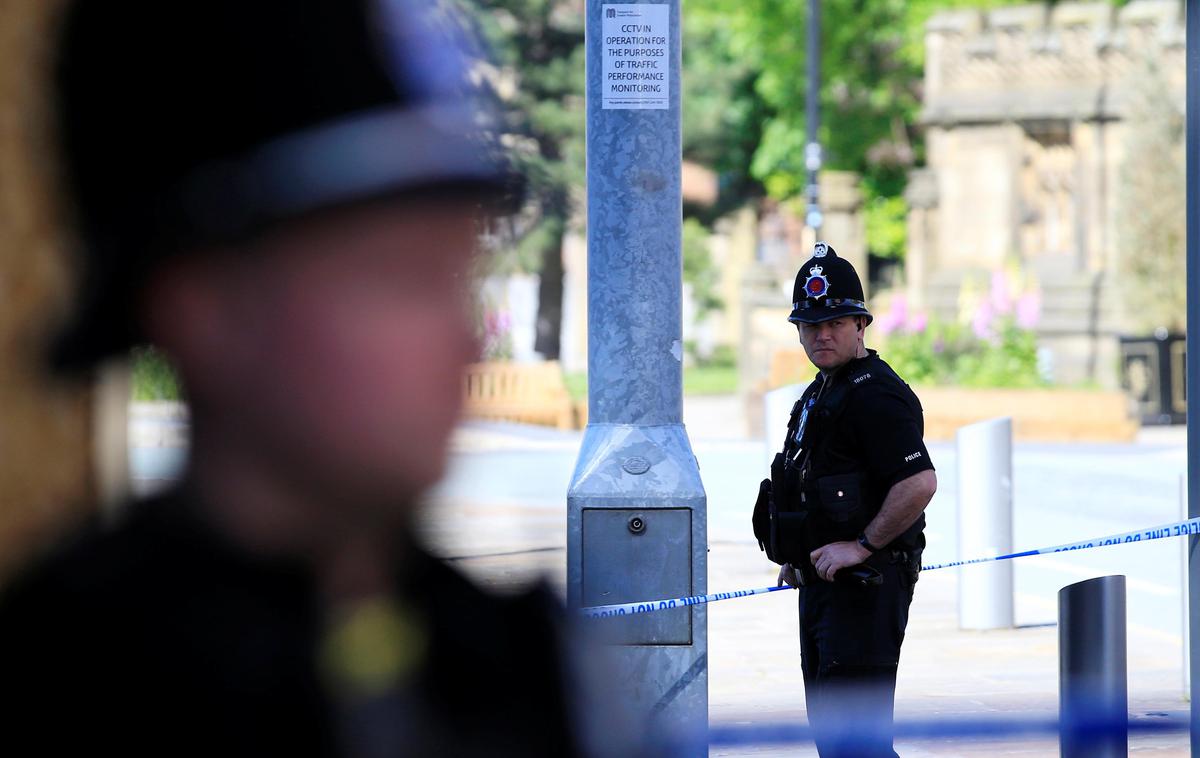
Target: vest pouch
x,y
843,514
788,537
761,519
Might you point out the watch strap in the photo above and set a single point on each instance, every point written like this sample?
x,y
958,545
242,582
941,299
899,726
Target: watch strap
x,y
862,540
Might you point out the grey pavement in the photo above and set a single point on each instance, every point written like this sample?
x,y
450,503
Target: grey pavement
x,y
500,515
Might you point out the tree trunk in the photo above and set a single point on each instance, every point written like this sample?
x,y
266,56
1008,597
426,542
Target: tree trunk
x,y
548,333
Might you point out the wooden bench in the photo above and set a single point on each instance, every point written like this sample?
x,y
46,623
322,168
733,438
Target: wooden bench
x,y
527,393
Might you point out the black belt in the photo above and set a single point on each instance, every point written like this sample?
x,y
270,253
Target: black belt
x,y
806,574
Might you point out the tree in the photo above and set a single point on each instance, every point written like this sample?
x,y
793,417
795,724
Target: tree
x,y
1152,207
539,82
872,66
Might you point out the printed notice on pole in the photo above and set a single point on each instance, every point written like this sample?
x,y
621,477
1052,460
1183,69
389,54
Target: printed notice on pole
x,y
636,55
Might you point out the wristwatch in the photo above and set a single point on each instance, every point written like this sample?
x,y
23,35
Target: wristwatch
x,y
862,540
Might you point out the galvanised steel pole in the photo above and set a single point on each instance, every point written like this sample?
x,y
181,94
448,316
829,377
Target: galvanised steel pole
x,y
636,508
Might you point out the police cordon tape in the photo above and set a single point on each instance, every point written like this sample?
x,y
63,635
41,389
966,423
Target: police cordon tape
x,y
1177,529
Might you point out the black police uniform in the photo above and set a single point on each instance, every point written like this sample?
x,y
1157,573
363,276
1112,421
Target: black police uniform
x,y
162,637
851,437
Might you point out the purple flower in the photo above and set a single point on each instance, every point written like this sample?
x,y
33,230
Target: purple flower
x,y
895,317
1001,298
1029,309
939,346
981,324
886,324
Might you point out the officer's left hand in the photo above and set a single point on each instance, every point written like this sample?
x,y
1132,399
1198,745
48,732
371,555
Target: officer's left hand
x,y
836,556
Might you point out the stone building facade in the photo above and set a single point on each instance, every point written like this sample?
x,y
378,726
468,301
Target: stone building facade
x,y
1025,111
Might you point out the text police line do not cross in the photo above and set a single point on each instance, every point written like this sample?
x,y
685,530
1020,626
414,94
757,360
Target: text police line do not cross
x,y
1177,529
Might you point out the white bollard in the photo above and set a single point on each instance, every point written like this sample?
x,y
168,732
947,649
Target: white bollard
x,y
777,409
985,591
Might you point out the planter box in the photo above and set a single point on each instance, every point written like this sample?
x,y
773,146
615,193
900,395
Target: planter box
x,y
1043,415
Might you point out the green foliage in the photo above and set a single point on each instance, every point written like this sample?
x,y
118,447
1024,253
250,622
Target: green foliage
x,y
887,226
154,378
723,355
537,46
577,385
1151,201
872,61
722,117
949,353
710,380
698,268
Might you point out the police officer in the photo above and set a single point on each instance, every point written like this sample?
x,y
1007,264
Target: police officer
x,y
284,196
843,513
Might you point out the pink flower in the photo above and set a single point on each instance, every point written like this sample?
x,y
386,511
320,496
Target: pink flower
x,y
1001,298
981,324
895,317
1029,309
917,323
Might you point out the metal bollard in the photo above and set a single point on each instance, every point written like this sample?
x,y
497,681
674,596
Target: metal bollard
x,y
1093,693
985,591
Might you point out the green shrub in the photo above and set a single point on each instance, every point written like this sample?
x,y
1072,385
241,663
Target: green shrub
x,y
991,344
154,378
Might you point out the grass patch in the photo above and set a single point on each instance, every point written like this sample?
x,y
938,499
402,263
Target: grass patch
x,y
154,377
710,380
576,385
697,380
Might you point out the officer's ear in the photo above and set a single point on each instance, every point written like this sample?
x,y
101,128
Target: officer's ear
x,y
861,322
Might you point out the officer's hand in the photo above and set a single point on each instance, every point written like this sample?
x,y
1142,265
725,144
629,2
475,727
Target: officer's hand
x,y
836,556
787,575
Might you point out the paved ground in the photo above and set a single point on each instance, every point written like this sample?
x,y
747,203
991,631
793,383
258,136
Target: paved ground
x,y
508,484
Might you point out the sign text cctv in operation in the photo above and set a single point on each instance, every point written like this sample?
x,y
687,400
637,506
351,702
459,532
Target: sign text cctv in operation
x,y
636,57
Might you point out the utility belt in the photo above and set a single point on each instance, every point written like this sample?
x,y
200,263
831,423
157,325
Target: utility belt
x,y
866,573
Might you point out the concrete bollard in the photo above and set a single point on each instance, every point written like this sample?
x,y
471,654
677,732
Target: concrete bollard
x,y
985,591
1093,693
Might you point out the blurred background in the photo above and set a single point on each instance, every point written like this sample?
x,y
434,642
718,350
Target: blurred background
x,y
1008,178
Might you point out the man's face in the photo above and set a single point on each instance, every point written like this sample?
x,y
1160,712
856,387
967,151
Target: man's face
x,y
341,345
831,344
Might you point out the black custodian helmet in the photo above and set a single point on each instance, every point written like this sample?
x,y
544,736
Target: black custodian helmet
x,y
827,287
197,122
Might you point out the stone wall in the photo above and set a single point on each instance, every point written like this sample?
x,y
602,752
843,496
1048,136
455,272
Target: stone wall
x,y
1024,110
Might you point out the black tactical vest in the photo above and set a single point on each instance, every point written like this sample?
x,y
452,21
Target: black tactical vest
x,y
806,504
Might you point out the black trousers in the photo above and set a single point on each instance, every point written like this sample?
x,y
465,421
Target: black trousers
x,y
850,639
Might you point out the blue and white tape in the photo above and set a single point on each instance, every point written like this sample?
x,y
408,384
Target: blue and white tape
x,y
625,609
1177,529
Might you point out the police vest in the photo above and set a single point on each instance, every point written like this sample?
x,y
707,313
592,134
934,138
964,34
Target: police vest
x,y
803,505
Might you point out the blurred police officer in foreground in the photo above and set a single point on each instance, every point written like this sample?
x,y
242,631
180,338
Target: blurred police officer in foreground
x,y
843,512
284,195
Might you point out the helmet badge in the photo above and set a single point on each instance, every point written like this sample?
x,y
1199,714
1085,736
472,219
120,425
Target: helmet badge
x,y
820,250
816,285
